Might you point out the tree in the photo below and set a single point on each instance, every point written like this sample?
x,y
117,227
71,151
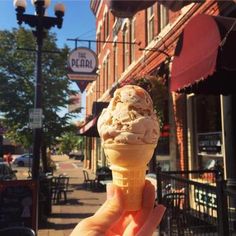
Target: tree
x,y
157,89
17,80
70,141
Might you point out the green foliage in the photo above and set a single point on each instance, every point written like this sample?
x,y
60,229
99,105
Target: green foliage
x,y
69,142
17,79
155,86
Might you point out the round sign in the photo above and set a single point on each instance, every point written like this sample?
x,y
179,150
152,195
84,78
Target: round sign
x,y
83,60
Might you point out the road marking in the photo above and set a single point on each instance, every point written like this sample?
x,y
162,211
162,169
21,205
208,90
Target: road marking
x,y
76,167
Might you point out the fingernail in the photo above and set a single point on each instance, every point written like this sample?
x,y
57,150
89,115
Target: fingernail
x,y
110,191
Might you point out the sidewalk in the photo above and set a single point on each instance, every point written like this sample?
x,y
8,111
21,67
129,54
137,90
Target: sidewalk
x,y
81,203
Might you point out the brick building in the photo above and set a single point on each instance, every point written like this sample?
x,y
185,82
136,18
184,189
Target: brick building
x,y
149,43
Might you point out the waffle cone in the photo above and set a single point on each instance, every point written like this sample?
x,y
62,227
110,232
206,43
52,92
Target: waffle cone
x,y
129,166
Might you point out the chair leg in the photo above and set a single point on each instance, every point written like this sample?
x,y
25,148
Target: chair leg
x,y
54,197
65,197
58,197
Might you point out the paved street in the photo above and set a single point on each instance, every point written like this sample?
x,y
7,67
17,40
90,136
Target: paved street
x,y
81,202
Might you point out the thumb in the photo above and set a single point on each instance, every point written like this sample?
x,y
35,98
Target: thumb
x,y
111,210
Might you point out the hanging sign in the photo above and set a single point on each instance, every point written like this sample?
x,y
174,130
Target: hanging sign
x,y
83,77
83,61
82,84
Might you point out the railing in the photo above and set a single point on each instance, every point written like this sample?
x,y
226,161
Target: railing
x,y
231,210
198,203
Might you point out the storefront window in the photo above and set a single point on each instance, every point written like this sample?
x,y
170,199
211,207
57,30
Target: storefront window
x,y
208,131
208,113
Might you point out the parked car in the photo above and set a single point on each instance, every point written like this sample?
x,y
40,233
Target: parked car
x,y
6,172
24,160
76,156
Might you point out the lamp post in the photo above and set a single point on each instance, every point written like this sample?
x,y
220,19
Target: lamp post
x,y
40,23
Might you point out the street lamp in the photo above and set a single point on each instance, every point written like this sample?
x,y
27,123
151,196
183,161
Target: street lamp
x,y
40,23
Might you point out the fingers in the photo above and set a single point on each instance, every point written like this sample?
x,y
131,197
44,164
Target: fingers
x,y
152,222
112,209
110,193
120,225
147,207
110,190
104,218
148,196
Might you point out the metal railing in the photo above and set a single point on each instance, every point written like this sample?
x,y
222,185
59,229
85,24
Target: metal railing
x,y
198,203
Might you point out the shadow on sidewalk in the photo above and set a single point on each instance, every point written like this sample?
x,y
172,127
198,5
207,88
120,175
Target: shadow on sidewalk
x,y
70,215
47,224
58,226
98,189
79,202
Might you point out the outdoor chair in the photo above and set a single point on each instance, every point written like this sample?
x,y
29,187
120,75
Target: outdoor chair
x,y
175,217
60,186
88,182
17,231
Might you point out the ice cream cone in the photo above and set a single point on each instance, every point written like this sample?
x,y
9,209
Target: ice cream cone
x,y
129,166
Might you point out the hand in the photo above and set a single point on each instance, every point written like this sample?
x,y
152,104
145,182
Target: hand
x,y
112,220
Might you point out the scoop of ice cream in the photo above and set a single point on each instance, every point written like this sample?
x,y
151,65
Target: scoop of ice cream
x,y
129,118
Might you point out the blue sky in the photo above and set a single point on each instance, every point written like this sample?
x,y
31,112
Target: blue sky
x,y
79,21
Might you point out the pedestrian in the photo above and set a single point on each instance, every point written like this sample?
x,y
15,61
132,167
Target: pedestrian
x,y
9,158
112,220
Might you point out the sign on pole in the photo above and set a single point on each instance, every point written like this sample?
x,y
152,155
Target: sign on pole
x,y
35,118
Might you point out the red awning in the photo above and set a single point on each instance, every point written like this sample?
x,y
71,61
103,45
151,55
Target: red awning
x,y
90,128
122,8
204,58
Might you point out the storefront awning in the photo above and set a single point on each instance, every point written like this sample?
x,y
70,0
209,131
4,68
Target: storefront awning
x,y
204,57
121,8
90,128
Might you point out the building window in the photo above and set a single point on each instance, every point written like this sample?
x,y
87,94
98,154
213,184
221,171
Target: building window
x,y
163,16
115,69
104,32
208,131
98,86
125,48
106,26
99,42
103,76
150,24
132,39
106,73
